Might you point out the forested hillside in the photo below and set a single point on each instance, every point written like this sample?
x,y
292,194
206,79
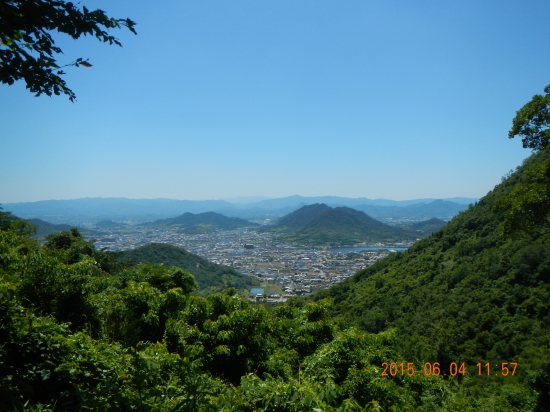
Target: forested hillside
x,y
299,218
466,293
44,228
210,277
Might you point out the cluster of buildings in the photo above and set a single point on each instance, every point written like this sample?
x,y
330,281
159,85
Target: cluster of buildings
x,y
285,270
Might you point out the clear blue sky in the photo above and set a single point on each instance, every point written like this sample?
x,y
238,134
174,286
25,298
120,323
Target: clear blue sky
x,y
218,99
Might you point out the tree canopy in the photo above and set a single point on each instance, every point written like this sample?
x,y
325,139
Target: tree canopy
x,y
528,205
28,51
532,122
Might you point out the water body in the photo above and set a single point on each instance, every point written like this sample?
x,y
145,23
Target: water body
x,y
360,249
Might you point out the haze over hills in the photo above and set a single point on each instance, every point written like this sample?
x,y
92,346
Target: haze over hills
x,y
294,201
202,222
321,224
119,209
44,228
111,208
443,209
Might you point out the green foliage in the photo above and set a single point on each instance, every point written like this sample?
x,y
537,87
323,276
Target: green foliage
x,y
230,337
80,330
527,205
77,337
210,277
532,122
13,223
27,48
71,247
465,294
163,278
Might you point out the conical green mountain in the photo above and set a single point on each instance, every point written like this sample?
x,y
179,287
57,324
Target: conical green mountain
x,y
345,225
301,217
465,294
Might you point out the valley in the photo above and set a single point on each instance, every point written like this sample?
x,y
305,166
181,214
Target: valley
x,y
261,255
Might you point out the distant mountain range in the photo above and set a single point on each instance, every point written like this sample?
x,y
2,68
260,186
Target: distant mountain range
x,y
202,222
443,209
294,201
89,209
120,209
321,224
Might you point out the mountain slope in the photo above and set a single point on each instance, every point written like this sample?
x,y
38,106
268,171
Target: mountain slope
x,y
301,217
209,276
463,294
438,208
345,225
44,228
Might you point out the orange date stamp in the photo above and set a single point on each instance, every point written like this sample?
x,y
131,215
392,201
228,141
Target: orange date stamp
x,y
453,369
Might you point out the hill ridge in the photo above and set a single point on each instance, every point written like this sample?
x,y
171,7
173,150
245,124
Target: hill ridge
x,y
210,276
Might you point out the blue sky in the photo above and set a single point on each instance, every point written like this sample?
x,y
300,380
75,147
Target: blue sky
x,y
220,99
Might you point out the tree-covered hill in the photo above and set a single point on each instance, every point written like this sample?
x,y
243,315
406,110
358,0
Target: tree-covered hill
x,y
44,228
299,218
428,226
466,293
343,225
210,277
202,222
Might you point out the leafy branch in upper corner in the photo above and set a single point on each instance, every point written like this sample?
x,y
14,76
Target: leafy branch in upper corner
x,y
27,48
